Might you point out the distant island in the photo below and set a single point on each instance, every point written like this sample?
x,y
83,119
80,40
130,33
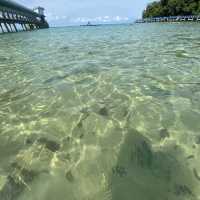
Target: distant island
x,y
165,8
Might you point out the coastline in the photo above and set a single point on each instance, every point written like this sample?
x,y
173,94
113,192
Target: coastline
x,y
170,19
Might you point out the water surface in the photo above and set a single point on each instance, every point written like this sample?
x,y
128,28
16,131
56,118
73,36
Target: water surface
x,y
101,113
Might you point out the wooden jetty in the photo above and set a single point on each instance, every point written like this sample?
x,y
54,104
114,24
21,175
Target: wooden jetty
x,y
15,17
194,18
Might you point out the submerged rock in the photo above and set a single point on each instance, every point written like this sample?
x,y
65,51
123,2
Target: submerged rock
x,y
119,171
142,154
69,176
17,182
90,53
196,175
49,144
183,190
152,173
198,139
164,133
64,49
11,189
190,157
3,59
80,124
104,112
31,139
81,121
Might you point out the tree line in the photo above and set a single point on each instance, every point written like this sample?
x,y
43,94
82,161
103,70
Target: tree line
x,y
172,8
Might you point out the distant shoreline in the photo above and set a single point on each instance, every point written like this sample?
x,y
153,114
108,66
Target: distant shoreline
x,y
97,25
170,19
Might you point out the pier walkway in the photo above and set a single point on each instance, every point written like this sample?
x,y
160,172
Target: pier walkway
x,y
169,19
15,17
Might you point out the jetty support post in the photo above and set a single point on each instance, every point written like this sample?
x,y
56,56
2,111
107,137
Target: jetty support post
x,y
15,27
23,28
8,30
2,30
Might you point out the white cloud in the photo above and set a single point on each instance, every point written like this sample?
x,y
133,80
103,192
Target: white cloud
x,y
63,20
63,17
105,19
57,18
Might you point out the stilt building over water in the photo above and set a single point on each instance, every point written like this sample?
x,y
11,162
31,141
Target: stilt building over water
x,y
15,17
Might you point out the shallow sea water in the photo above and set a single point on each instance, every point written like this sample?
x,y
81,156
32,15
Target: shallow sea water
x,y
101,113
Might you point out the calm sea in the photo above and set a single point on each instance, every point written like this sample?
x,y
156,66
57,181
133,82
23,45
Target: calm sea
x,y
101,113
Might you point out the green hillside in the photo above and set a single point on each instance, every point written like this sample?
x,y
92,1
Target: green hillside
x,y
172,8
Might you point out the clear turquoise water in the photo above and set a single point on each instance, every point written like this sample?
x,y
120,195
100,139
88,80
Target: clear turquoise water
x,y
101,113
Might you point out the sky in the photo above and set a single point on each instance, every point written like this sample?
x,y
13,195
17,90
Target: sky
x,y
76,12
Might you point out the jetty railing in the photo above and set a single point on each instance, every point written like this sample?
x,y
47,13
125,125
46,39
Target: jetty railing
x,y
15,17
191,18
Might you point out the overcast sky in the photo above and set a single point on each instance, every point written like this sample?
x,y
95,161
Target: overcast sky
x,y
68,12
